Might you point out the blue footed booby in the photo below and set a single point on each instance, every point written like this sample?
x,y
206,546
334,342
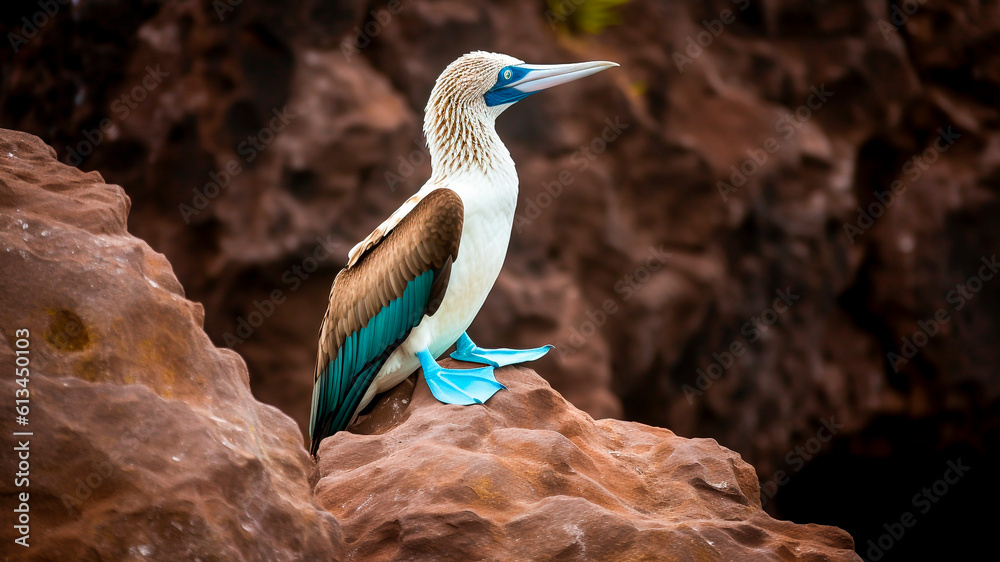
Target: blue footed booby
x,y
414,285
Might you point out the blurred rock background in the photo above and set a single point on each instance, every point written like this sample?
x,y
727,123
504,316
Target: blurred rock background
x,y
743,153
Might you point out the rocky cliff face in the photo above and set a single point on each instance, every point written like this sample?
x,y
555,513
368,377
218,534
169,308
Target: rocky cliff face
x,y
710,234
145,442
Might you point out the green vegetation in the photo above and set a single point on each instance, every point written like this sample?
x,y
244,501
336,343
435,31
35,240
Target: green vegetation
x,y
583,16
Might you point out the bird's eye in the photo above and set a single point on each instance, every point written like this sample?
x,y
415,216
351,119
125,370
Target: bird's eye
x,y
507,74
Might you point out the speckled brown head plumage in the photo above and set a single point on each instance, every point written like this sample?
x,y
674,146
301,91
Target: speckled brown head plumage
x,y
458,124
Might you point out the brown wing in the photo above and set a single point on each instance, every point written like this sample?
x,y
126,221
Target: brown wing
x,y
382,230
375,303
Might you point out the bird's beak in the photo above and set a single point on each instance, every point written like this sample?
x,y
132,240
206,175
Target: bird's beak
x,y
520,81
544,76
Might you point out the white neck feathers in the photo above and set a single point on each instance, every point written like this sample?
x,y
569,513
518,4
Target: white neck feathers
x,y
462,138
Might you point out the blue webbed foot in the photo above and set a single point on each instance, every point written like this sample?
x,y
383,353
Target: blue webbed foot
x,y
469,351
458,386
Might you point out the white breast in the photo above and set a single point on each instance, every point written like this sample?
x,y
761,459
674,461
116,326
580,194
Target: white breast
x,y
489,203
489,216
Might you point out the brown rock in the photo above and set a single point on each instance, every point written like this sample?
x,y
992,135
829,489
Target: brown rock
x,y
529,476
325,176
147,442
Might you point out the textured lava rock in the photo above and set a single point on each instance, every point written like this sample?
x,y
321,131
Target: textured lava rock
x,y
358,119
528,476
147,443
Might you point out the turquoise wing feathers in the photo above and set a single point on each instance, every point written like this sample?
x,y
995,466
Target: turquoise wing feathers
x,y
340,387
375,303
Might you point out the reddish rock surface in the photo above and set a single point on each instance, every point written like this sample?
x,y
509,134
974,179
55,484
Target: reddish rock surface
x,y
530,477
147,441
324,176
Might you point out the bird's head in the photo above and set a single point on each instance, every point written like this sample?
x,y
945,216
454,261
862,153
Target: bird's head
x,y
489,83
472,92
